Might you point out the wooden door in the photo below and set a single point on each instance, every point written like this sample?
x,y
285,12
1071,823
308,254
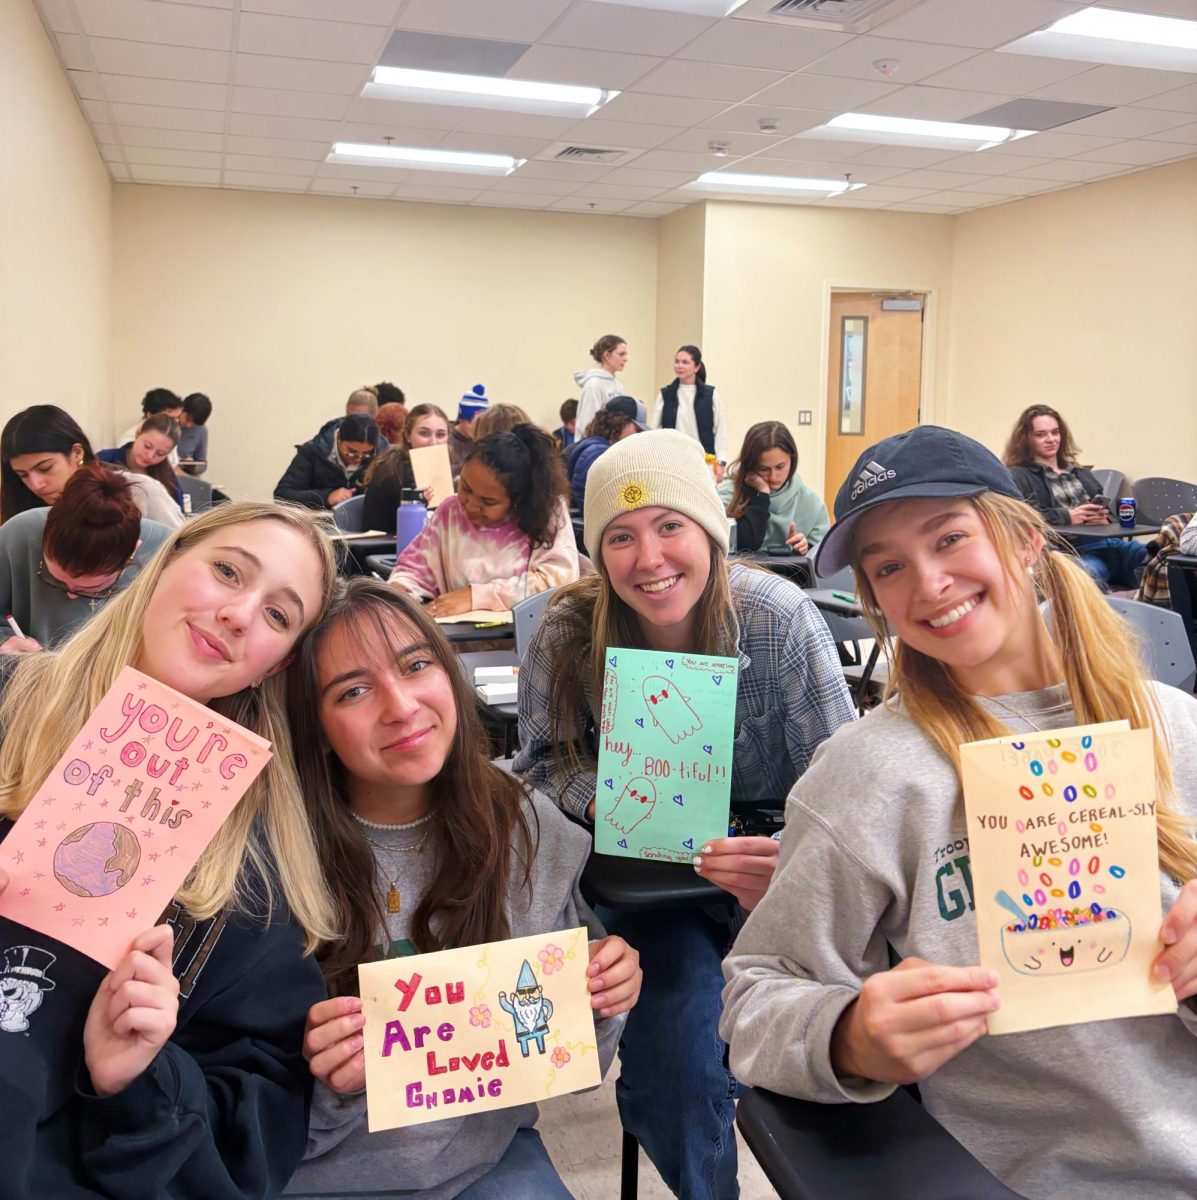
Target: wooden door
x,y
885,353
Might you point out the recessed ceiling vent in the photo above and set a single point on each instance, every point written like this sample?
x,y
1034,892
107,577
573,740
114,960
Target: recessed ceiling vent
x,y
849,16
607,156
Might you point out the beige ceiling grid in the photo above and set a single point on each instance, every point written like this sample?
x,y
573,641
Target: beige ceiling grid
x,y
252,94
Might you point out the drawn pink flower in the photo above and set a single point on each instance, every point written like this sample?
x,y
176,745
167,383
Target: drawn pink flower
x,y
552,958
560,1057
480,1016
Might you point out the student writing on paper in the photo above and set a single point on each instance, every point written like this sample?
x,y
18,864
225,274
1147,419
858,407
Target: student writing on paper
x,y
505,535
144,1081
427,845
658,535
322,478
875,856
390,475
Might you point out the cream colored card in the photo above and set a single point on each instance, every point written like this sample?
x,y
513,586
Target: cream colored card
x,y
430,465
484,1027
478,616
1066,875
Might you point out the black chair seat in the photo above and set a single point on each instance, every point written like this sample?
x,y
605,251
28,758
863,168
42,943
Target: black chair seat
x,y
635,885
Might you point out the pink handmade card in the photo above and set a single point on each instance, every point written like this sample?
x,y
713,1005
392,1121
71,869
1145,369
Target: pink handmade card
x,y
110,836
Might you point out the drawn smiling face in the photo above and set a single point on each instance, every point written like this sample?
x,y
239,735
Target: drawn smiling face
x,y
1067,951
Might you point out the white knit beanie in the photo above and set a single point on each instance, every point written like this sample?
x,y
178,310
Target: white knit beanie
x,y
658,469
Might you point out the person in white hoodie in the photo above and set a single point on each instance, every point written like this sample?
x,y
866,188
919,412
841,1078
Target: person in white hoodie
x,y
598,383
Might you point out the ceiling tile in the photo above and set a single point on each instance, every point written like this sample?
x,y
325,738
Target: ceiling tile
x,y
895,156
757,44
154,61
1127,122
264,181
887,193
440,195
1180,100
107,133
367,111
675,160
300,74
493,199
153,116
72,49
118,171
96,111
934,103
798,169
517,182
350,132
196,176
1114,85
1068,170
536,168
658,110
86,85
626,133
149,21
172,139
279,103
823,93
816,150
647,177
1014,185
352,173
1138,153
712,82
128,89
512,20
147,155
270,164
111,153
651,209
1160,8
363,12
1050,144
495,143
264,125
58,15
746,118
491,120
607,27
916,60
697,141
297,37
598,207
1179,133
1009,74
980,23
917,206
591,68
985,162
930,178
278,147
329,187
960,198
619,191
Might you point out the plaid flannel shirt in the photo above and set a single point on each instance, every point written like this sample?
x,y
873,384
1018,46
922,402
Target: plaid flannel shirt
x,y
791,698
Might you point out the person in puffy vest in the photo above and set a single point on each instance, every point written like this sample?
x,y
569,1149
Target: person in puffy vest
x,y
691,405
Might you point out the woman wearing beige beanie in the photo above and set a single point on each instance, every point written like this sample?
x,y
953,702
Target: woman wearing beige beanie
x,y
657,532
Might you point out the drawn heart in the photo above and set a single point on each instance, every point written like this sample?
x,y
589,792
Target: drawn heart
x,y
718,679
669,663
677,799
689,843
614,661
707,749
622,843
640,722
609,782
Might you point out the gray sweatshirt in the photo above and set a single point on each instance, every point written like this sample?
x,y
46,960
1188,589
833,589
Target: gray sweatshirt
x,y
438,1160
875,854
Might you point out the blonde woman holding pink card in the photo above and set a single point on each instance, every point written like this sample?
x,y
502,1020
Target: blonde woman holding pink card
x,y
179,1072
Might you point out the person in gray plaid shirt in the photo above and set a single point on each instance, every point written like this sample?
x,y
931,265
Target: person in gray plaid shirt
x,y
658,534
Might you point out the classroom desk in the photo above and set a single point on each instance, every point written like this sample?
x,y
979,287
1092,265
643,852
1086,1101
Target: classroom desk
x,y
832,600
469,632
796,567
1114,530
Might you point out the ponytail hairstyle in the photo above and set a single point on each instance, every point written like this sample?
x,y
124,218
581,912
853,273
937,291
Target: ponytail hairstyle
x,y
528,465
394,464
760,438
477,808
365,398
696,357
95,526
604,346
41,429
162,471
1020,451
1103,668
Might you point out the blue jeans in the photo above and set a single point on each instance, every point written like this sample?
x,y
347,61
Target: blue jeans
x,y
1117,561
676,1095
525,1172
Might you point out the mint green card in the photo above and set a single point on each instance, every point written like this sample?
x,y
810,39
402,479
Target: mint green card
x,y
665,753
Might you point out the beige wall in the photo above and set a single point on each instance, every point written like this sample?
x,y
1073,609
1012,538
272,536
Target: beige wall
x,y
55,236
1086,300
769,273
278,306
681,266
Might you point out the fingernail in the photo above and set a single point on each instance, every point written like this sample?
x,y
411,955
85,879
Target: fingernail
x,y
359,1020
697,861
599,1001
1168,936
706,849
1163,972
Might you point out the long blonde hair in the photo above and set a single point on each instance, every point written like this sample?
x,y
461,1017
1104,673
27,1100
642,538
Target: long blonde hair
x,y
1102,665
51,695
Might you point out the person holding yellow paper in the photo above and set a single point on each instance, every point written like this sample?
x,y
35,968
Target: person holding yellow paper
x,y
428,846
145,1081
953,564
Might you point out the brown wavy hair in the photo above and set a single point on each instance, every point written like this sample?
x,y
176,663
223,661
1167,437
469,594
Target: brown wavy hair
x,y
1019,450
760,438
477,808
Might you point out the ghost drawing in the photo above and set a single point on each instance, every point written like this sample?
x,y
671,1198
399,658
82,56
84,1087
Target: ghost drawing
x,y
670,712
635,804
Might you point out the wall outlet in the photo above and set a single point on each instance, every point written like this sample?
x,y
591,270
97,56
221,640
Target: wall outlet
x,y
804,416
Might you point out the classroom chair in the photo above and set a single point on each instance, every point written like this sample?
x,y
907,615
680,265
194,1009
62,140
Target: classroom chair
x,y
1113,484
348,514
1182,591
893,1149
1164,641
1157,498
200,491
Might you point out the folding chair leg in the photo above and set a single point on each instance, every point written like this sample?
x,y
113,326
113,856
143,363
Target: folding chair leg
x,y
629,1168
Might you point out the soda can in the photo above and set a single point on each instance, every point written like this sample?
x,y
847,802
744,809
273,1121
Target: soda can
x,y
1126,512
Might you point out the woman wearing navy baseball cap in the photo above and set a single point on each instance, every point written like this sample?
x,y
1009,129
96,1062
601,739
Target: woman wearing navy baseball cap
x,y
951,566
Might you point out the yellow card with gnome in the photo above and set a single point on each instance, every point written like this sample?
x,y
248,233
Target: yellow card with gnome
x,y
463,1031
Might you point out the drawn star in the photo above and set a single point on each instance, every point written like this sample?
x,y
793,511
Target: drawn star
x,y
175,705
178,787
41,841
39,874
128,818
225,729
147,833
155,856
103,751
131,913
141,687
102,921
78,806
19,856
39,824
207,770
206,803
87,745
195,787
47,801
171,848
60,826
224,787
77,921
103,803
59,907
146,880
26,891
145,741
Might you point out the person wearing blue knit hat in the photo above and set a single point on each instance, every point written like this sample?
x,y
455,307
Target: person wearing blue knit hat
x,y
461,436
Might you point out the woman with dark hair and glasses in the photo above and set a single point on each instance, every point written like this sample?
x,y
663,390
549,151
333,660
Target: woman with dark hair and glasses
x,y
41,447
59,565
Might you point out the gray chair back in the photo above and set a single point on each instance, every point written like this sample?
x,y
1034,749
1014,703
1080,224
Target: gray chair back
x,y
842,580
1164,641
526,617
200,491
1113,484
348,514
1157,498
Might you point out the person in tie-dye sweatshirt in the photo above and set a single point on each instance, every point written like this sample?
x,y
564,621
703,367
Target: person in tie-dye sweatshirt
x,y
504,535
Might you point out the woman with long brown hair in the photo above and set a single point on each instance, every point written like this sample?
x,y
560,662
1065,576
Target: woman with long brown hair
x,y
147,453
390,479
952,568
426,845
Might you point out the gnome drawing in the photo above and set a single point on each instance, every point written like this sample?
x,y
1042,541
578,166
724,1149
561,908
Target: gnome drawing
x,y
635,804
529,1010
669,709
23,983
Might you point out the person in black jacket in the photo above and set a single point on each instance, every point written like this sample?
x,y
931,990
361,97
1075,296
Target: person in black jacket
x,y
179,1074
1041,455
319,478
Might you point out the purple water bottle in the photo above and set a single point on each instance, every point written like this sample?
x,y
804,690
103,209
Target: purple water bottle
x,y
1126,512
410,519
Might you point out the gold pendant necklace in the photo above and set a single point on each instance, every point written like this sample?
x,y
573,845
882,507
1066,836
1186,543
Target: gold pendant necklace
x,y
392,896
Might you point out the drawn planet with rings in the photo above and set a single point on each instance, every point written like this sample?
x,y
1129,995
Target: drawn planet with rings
x,y
97,859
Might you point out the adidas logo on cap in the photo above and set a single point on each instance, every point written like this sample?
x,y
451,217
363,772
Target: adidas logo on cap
x,y
871,474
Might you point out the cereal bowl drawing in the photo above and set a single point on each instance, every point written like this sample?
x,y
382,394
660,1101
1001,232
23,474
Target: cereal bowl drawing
x,y
1067,943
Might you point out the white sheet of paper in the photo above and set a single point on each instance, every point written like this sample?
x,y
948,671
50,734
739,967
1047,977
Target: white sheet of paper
x,y
430,466
477,616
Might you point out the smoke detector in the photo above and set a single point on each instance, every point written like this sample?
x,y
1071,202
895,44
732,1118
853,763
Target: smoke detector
x,y
719,149
768,124
887,66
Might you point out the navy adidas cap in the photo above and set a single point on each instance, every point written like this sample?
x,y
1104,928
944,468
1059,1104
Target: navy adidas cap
x,y
923,463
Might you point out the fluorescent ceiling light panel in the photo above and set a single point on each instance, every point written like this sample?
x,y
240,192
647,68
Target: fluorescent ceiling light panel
x,y
1109,35
422,158
484,91
734,180
907,131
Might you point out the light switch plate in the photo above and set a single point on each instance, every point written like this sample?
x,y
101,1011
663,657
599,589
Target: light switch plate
x,y
804,416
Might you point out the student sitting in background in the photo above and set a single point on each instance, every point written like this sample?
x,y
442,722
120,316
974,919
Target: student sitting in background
x,y
766,495
59,565
390,421
193,438
318,478
424,849
461,436
614,422
567,433
505,535
42,447
155,401
389,479
362,402
148,452
499,418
